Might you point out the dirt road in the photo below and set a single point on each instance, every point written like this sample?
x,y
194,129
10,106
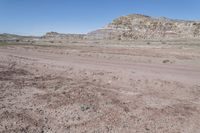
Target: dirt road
x,y
77,88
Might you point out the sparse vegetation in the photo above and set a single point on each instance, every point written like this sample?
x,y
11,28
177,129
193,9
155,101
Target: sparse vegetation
x,y
148,43
4,43
166,61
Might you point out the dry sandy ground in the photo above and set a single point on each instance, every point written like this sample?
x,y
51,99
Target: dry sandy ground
x,y
100,88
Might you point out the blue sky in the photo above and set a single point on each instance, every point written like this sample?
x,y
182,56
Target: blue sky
x,y
35,17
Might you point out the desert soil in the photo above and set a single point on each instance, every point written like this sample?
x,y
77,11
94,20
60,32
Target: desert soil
x,y
98,88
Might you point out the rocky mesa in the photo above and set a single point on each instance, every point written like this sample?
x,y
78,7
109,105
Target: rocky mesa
x,y
136,26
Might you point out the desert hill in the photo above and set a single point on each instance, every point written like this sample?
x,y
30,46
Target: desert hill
x,y
136,26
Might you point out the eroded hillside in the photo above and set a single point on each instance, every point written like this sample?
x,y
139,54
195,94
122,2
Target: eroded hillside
x,y
137,26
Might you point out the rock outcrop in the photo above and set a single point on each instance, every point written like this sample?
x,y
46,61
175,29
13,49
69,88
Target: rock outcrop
x,y
55,35
137,26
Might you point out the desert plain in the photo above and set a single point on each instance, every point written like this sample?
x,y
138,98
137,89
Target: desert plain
x,y
100,87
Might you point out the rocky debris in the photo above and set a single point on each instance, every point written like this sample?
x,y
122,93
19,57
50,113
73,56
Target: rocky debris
x,y
136,26
55,35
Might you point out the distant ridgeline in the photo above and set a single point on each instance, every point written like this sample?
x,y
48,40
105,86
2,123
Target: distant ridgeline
x,y
17,38
55,35
137,26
